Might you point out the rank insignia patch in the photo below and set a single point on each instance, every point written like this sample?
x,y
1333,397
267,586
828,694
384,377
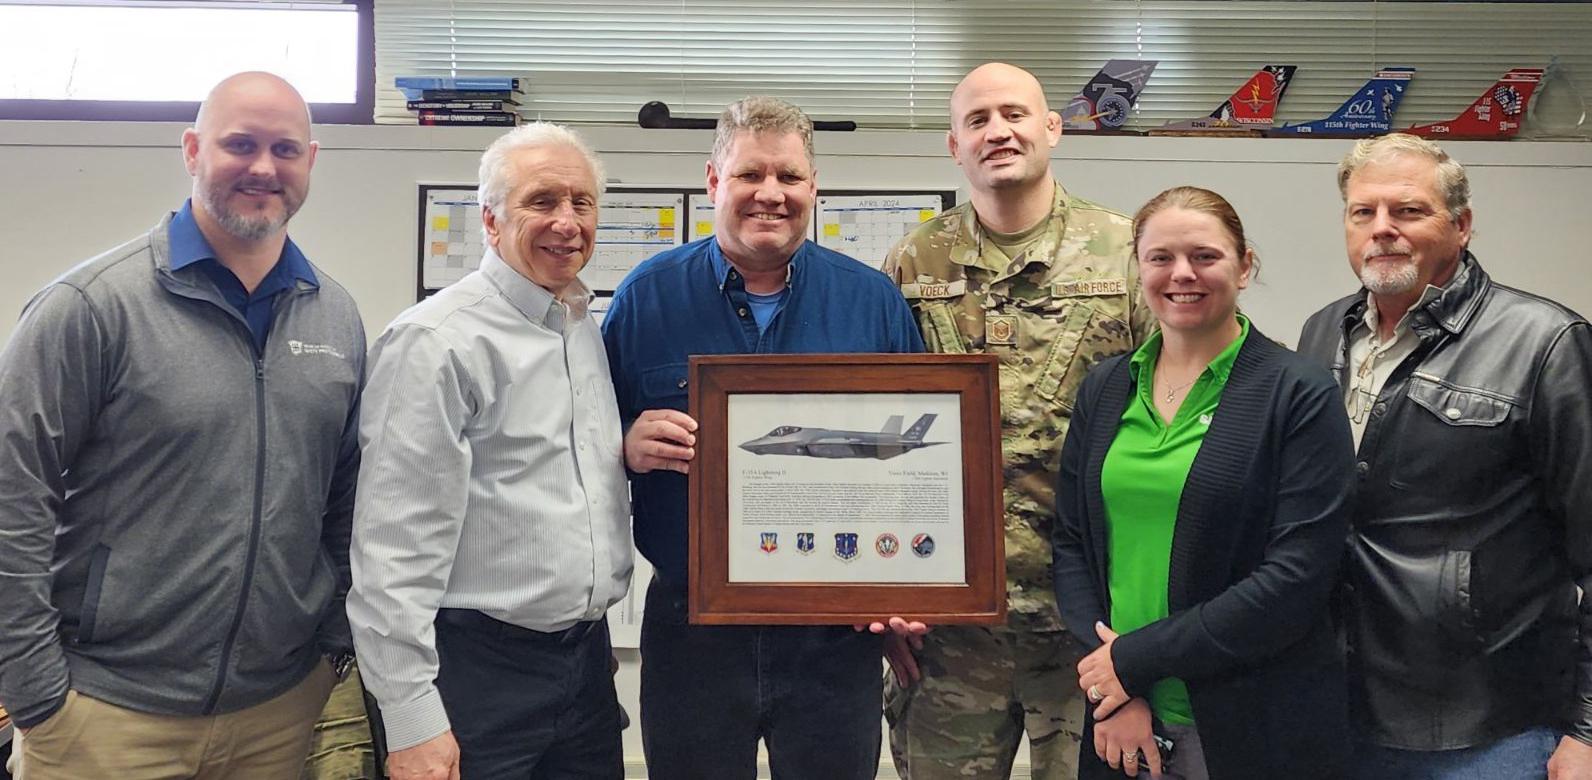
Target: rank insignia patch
x,y
1000,330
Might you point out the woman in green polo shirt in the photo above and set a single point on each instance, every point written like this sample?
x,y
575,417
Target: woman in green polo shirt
x,y
1203,505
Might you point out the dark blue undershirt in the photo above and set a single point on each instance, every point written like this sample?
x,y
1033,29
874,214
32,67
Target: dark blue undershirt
x,y
189,248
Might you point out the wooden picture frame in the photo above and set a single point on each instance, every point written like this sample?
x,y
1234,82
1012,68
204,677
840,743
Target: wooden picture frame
x,y
771,514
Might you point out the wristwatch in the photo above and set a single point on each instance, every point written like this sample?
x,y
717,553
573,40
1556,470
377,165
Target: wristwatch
x,y
340,663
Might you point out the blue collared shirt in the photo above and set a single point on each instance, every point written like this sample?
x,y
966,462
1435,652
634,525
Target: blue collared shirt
x,y
189,247
691,301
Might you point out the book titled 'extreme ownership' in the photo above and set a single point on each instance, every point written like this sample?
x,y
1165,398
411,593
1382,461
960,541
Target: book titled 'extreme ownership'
x,y
477,118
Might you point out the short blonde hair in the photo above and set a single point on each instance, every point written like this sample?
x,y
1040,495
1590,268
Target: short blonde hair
x,y
758,114
1451,178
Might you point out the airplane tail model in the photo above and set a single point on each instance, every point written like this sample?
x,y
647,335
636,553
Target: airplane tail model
x,y
1251,107
1497,114
1108,98
1368,113
825,443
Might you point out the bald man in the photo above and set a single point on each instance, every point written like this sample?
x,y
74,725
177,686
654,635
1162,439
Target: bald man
x,y
177,461
1046,281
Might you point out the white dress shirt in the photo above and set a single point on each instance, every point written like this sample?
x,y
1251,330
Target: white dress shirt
x,y
492,479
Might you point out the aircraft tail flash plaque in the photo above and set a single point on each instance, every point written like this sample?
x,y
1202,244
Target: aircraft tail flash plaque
x,y
1498,114
1108,98
1249,110
1368,112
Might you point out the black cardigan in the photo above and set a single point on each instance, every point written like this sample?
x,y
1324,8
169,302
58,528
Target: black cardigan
x,y
1256,552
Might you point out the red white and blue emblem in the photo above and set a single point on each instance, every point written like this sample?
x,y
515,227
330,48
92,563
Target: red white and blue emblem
x,y
1508,99
770,541
923,545
887,545
846,546
804,543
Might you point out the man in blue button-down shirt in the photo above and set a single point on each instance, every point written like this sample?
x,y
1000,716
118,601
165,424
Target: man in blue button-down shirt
x,y
708,693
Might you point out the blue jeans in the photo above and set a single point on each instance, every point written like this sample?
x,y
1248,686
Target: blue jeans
x,y
1523,756
708,693
529,705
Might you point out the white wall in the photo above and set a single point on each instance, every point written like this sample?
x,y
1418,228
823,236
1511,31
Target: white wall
x,y
70,190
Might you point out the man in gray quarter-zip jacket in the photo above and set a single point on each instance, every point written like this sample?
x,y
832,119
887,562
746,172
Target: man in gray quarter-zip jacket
x,y
178,454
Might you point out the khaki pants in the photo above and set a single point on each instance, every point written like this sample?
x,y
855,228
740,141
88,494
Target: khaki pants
x,y
88,738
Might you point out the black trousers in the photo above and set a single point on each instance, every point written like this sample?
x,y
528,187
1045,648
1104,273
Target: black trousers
x,y
529,705
708,693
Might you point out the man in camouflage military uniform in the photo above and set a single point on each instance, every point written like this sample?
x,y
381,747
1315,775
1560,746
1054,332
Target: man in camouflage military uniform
x,y
341,747
1046,281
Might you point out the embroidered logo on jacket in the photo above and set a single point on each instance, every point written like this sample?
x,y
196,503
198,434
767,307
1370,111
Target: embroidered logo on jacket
x,y
297,347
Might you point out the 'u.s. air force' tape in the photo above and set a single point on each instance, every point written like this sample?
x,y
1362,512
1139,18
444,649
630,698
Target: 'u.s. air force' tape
x,y
1082,287
918,290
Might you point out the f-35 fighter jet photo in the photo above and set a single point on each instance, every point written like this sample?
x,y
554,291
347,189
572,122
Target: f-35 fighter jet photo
x,y
825,443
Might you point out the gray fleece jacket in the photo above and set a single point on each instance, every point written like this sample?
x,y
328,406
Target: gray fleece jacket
x,y
174,506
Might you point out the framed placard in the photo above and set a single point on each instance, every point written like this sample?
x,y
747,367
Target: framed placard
x,y
846,488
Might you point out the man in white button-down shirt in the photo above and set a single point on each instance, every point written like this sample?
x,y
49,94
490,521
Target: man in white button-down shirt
x,y
491,529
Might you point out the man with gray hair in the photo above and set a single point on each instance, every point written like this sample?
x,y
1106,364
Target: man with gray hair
x,y
709,693
1470,653
177,465
492,525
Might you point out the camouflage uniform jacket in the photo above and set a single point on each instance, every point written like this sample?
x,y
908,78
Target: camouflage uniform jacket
x,y
1051,314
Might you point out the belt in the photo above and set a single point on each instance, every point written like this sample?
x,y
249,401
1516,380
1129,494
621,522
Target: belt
x,y
477,621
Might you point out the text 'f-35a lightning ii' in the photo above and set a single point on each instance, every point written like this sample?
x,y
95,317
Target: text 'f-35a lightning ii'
x,y
825,443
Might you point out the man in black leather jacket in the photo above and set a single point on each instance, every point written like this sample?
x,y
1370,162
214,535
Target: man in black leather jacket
x,y
1472,410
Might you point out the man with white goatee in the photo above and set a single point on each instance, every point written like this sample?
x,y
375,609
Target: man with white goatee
x,y
1470,653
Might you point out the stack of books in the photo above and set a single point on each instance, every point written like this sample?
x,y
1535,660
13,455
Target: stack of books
x,y
478,101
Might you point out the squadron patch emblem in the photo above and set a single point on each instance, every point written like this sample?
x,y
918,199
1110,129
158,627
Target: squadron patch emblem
x,y
846,546
887,545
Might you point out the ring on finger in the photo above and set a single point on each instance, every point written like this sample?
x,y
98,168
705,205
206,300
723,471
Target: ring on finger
x,y
1130,758
1095,695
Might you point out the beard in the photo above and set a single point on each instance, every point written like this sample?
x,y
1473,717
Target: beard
x,y
1389,277
248,227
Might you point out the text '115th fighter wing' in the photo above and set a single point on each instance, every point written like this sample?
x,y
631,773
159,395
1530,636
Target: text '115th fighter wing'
x,y
1368,113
